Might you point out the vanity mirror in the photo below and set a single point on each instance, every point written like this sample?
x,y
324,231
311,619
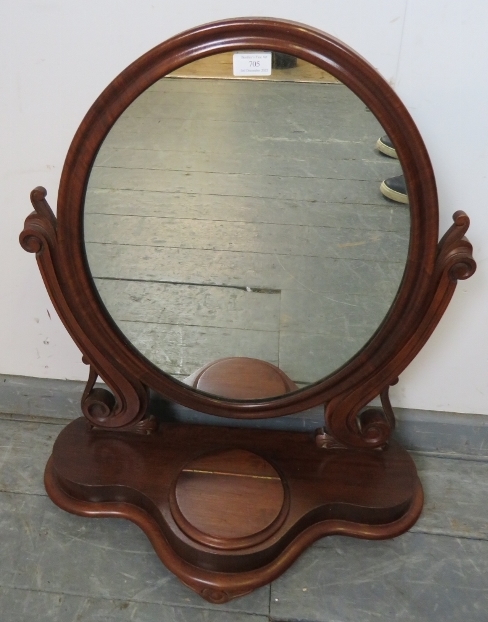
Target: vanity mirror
x,y
243,218
221,239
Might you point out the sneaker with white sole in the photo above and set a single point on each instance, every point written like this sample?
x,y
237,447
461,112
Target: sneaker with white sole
x,y
395,189
385,145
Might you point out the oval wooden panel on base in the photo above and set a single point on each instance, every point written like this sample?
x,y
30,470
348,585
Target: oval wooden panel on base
x,y
310,493
231,499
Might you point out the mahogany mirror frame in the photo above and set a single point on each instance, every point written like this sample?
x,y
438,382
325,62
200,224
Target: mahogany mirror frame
x,y
430,277
60,250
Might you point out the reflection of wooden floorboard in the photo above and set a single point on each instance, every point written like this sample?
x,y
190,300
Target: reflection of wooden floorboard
x,y
192,305
369,168
382,217
179,348
216,229
176,325
295,240
249,270
220,66
231,185
320,302
258,139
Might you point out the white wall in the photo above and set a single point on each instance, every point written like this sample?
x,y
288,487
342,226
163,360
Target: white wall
x,y
58,55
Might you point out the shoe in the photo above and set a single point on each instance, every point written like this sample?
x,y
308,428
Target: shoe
x,y
280,60
385,145
395,189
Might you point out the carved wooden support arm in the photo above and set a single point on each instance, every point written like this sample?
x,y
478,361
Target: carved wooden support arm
x,y
124,408
345,421
99,406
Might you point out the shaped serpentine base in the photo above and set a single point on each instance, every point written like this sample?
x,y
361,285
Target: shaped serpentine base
x,y
189,487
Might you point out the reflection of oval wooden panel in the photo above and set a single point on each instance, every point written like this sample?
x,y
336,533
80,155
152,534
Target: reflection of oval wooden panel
x,y
242,378
229,499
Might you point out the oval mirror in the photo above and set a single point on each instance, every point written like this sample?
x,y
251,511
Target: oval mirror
x,y
234,210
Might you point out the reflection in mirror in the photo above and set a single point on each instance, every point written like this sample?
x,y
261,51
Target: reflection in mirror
x,y
243,217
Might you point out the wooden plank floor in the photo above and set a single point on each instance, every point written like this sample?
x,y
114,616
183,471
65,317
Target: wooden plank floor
x,y
244,218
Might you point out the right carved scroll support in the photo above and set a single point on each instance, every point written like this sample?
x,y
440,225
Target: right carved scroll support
x,y
372,426
345,420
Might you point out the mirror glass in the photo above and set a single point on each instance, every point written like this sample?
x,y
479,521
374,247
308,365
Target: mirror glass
x,y
241,216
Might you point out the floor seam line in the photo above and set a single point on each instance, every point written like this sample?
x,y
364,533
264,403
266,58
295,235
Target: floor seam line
x,y
118,598
27,494
448,455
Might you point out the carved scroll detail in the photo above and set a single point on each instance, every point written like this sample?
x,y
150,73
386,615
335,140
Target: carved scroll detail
x,y
39,234
371,427
99,406
96,404
454,251
374,427
344,419
376,424
124,408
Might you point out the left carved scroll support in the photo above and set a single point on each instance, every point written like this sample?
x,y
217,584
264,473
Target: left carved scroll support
x,y
99,406
124,406
39,235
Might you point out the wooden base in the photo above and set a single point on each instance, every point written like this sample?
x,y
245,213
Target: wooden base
x,y
226,509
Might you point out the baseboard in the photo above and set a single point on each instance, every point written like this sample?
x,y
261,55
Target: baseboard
x,y
40,397
417,430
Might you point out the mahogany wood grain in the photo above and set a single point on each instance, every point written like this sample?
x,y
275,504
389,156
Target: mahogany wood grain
x,y
362,493
242,378
212,499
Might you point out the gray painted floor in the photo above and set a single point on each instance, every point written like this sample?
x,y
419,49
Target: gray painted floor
x,y
59,567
